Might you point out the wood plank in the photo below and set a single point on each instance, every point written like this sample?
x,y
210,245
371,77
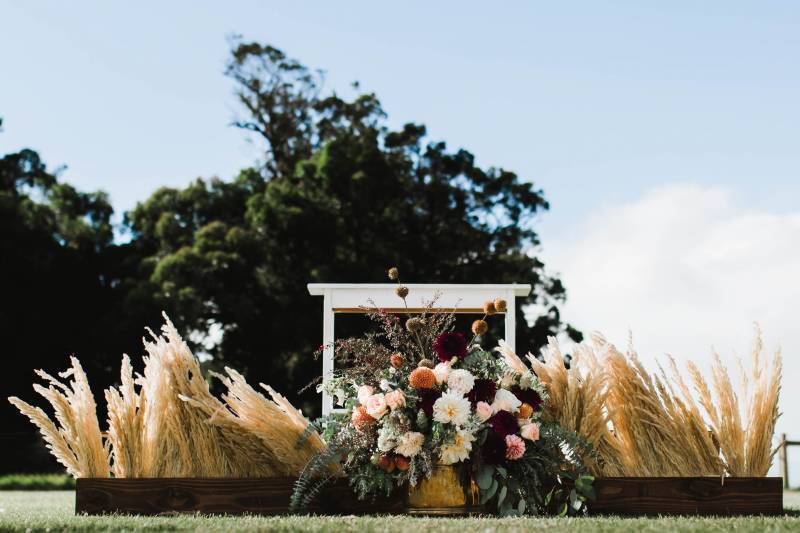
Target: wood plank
x,y
688,496
270,496
265,496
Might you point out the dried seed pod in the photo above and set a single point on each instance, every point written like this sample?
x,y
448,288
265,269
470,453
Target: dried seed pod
x,y
479,327
488,308
394,274
500,305
401,291
426,363
414,324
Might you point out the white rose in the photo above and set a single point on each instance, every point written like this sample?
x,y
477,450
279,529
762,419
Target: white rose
x,y
442,371
504,400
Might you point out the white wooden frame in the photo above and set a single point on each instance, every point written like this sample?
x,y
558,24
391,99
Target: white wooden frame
x,y
353,297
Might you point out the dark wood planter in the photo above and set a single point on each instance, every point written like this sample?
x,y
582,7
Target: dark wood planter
x,y
652,496
270,496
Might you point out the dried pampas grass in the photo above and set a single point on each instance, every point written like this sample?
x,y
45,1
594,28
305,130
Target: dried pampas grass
x,y
644,424
76,442
166,422
577,399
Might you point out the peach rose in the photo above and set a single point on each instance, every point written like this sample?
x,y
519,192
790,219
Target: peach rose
x,y
364,392
376,406
530,431
483,410
395,399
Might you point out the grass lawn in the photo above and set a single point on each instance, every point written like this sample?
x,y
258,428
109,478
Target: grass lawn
x,y
54,510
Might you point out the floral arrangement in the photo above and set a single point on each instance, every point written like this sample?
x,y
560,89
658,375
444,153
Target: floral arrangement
x,y
420,394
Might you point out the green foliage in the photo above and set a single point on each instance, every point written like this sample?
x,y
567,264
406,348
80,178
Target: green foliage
x,y
336,197
339,195
37,482
548,479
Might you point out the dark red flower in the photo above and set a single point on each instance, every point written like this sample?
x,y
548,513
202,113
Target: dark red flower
x,y
529,396
449,345
493,450
483,391
427,397
503,423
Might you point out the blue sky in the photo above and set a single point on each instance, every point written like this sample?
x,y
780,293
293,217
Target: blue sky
x,y
665,135
594,101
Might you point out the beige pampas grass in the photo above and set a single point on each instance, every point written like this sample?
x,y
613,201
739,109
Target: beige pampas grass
x,y
644,424
76,442
166,422
577,399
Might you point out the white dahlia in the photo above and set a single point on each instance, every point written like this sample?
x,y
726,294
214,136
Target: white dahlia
x,y
461,381
410,443
459,450
451,408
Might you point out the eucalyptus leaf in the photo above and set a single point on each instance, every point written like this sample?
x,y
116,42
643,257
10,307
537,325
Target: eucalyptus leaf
x,y
505,510
484,477
521,506
502,495
502,471
486,495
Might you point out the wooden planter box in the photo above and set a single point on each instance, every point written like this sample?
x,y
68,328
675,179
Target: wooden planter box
x,y
270,496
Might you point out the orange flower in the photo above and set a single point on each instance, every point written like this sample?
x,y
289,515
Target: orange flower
x,y
397,360
422,378
525,411
361,420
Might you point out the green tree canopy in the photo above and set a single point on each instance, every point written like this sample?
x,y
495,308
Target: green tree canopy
x,y
338,197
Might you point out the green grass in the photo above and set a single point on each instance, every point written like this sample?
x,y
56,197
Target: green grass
x,y
37,482
54,511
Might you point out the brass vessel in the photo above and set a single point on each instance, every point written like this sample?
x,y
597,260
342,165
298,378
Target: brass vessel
x,y
447,492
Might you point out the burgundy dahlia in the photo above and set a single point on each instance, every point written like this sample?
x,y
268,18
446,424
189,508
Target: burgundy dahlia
x,y
449,345
427,397
503,423
483,391
493,450
529,396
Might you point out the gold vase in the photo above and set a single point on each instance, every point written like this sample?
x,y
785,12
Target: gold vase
x,y
446,493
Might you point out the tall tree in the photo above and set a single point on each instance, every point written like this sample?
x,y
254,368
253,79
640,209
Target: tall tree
x,y
60,295
337,197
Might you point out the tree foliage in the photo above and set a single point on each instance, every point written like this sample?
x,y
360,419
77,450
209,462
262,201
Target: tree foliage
x,y
338,196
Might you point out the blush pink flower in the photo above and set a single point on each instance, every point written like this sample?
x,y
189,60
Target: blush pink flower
x,y
483,411
395,399
515,447
364,392
376,406
530,432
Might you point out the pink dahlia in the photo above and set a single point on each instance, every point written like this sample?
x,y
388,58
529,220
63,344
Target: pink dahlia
x,y
515,447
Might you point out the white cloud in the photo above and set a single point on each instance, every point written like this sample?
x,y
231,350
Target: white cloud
x,y
685,268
